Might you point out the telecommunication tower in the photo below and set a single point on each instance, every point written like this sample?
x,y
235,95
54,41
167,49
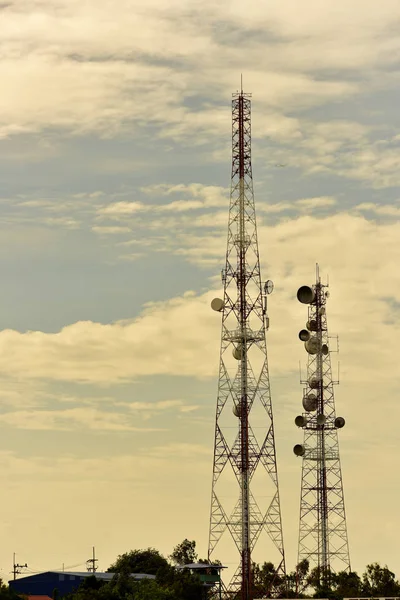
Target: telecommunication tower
x,y
244,448
323,532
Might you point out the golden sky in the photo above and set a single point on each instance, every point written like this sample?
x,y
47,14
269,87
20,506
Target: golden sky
x,y
115,132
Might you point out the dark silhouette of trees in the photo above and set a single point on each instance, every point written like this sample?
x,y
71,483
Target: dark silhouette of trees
x,y
139,561
184,553
379,581
172,582
7,593
347,585
376,581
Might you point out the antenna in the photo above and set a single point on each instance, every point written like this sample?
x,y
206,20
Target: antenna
x,y
323,532
244,398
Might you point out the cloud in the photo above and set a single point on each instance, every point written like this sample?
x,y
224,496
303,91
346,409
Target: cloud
x,y
322,201
385,210
72,419
299,206
47,412
110,230
84,72
122,208
92,77
180,336
196,196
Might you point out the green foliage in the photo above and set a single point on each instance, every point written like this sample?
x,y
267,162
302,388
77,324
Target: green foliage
x,y
170,583
296,581
151,590
379,581
7,593
347,585
184,553
174,583
265,579
139,561
122,587
180,582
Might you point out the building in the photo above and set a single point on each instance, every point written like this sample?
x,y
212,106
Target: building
x,y
46,584
209,575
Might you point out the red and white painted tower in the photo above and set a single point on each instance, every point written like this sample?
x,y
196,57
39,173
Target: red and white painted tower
x,y
245,504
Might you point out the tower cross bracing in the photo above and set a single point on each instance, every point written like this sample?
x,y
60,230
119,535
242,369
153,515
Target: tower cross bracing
x,y
244,447
323,538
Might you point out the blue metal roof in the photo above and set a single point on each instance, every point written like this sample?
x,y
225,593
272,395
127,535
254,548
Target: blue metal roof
x,y
44,584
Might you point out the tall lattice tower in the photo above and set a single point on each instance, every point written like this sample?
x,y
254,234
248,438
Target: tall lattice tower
x,y
323,532
245,495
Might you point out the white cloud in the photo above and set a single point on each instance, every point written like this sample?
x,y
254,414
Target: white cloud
x,y
180,336
195,196
89,414
110,230
92,76
72,419
386,210
122,208
78,67
322,201
303,205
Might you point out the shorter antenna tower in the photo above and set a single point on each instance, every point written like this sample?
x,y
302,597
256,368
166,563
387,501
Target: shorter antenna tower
x,y
323,533
91,562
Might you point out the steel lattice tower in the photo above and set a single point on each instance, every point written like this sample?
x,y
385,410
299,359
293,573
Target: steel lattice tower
x,y
323,532
243,460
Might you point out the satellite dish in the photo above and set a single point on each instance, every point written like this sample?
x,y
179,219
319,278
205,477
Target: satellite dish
x,y
322,310
237,352
305,295
310,402
304,335
300,421
314,383
269,287
299,450
339,422
217,304
325,349
313,345
236,410
321,419
312,325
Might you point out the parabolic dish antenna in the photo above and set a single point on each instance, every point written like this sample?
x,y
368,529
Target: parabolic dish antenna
x,y
269,287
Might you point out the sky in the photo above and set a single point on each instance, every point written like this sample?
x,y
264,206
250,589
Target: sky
x,y
115,125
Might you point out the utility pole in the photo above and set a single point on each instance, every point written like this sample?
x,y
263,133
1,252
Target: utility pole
x,y
17,568
91,562
244,398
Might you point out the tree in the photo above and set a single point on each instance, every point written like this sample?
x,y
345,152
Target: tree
x,y
347,585
148,589
296,581
122,587
322,580
181,583
7,593
265,578
139,561
379,581
184,553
